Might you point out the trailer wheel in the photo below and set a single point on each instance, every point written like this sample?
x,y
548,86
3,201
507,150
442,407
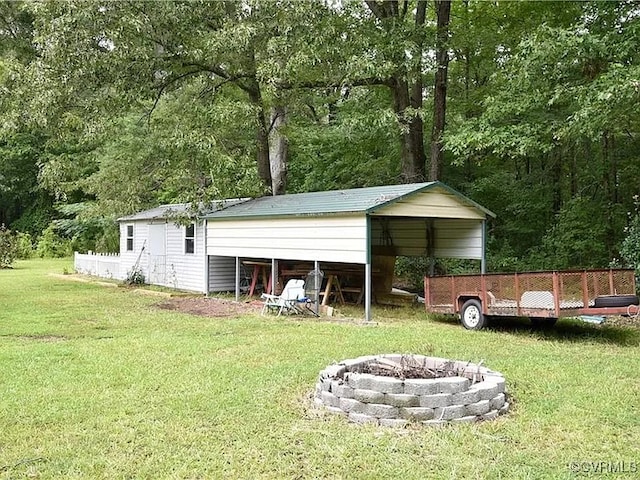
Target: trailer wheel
x,y
615,301
471,315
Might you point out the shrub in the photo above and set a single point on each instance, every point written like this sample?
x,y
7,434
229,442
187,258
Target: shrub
x,y
8,247
52,245
135,276
24,245
630,248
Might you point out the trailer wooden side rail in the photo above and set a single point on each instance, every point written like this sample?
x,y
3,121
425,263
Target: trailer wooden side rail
x,y
542,296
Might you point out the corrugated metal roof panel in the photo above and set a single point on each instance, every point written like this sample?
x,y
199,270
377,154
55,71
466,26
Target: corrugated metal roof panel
x,y
364,200
178,209
319,203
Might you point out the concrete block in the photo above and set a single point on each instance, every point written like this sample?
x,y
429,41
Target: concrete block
x,y
435,363
343,391
486,390
491,415
498,401
362,381
417,414
329,399
479,408
336,411
387,384
351,405
450,412
504,409
334,371
394,357
393,422
465,398
368,396
379,410
435,423
353,363
453,384
498,380
325,384
401,400
362,418
434,401
317,401
421,386
466,419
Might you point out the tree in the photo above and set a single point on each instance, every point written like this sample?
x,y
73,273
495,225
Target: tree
x,y
540,122
443,13
8,247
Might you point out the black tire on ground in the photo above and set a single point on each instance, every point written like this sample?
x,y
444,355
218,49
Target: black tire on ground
x,y
539,322
471,315
615,301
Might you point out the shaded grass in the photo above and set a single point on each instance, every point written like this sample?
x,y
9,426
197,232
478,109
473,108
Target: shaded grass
x,y
97,382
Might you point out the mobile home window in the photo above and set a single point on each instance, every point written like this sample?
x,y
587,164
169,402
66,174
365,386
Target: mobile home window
x,y
129,238
190,238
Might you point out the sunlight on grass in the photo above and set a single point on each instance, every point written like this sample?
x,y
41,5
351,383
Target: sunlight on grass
x,y
97,382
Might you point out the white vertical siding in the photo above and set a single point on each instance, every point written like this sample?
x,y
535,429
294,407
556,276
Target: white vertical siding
x,y
182,271
434,203
185,270
323,238
453,238
222,274
458,239
128,259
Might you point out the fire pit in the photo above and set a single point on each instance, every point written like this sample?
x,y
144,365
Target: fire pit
x,y
396,390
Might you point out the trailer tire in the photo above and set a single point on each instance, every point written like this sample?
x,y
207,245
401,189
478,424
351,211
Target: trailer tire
x,y
471,315
615,301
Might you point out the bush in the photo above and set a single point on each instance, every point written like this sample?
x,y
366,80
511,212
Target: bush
x,y
630,248
52,245
24,245
135,276
8,247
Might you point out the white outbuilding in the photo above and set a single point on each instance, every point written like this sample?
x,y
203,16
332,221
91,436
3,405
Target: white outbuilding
x,y
351,226
205,253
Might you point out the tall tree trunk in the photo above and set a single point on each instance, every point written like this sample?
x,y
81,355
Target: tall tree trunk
x,y
443,13
278,150
407,88
411,127
262,137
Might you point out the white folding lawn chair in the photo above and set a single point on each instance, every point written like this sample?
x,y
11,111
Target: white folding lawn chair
x,y
287,301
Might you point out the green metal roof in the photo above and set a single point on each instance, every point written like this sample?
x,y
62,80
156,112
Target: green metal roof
x,y
356,200
175,210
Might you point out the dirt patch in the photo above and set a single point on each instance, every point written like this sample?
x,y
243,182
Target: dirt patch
x,y
212,307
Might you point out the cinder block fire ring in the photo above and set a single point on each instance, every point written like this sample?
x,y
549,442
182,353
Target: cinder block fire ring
x,y
398,390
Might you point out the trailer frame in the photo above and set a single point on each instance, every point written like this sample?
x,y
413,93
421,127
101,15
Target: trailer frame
x,y
538,295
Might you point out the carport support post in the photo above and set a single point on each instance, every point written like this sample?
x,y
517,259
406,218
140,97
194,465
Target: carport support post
x,y
367,274
483,258
274,275
367,291
316,271
237,279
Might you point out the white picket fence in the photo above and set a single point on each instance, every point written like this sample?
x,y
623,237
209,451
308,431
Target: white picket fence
x,y
105,265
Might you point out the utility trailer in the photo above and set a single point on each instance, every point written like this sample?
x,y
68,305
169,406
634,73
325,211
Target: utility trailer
x,y
541,296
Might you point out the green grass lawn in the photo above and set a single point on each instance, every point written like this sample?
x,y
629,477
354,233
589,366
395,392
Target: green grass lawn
x,y
97,382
